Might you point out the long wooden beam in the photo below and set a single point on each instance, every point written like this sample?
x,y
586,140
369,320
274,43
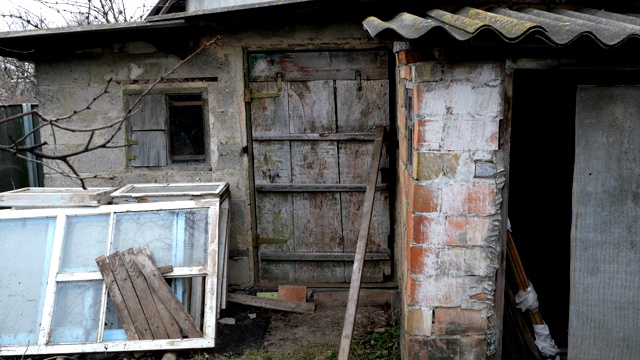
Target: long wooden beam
x,y
361,247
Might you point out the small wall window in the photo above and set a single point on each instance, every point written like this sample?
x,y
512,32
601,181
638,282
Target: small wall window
x,y
170,129
409,127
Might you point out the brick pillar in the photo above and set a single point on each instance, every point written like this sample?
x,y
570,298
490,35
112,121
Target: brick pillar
x,y
451,177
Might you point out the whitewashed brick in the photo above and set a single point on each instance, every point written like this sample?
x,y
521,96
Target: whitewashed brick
x,y
464,135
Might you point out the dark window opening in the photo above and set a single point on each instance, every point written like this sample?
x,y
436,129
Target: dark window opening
x,y
409,125
186,127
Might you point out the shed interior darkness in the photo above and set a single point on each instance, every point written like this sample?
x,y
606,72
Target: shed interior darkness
x,y
541,178
540,181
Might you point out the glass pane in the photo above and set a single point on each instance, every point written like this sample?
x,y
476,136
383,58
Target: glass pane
x,y
85,240
177,238
76,314
25,249
113,330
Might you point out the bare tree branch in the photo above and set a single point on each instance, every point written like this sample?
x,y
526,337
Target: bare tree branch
x,y
41,151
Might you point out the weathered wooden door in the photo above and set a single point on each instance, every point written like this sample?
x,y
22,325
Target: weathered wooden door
x,y
313,118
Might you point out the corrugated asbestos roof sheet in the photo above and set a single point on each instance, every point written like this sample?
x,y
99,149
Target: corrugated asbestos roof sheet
x,y
559,27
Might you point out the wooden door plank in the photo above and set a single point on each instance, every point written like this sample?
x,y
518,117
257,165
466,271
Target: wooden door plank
x,y
314,187
269,115
358,263
272,162
129,295
372,271
352,204
321,256
277,304
317,285
329,271
314,162
116,298
355,136
312,107
304,66
362,110
354,162
162,289
316,215
317,228
275,214
144,296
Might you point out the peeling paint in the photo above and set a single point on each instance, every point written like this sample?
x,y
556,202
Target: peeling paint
x,y
135,71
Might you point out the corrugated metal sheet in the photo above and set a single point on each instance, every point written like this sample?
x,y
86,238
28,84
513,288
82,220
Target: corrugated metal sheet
x,y
558,26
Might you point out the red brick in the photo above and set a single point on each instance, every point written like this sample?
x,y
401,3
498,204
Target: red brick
x,y
404,72
424,199
427,165
417,99
427,230
409,56
407,184
434,291
467,230
463,135
457,321
418,320
473,347
425,348
402,149
479,199
402,120
292,293
451,261
410,232
422,261
428,134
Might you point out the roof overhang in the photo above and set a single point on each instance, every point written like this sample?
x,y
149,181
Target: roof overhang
x,y
557,27
30,44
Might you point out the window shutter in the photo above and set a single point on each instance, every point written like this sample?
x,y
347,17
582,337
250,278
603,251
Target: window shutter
x,y
148,132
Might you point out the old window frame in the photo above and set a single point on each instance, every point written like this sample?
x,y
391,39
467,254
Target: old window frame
x,y
149,131
410,118
218,214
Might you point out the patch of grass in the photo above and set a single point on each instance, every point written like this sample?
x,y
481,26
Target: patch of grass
x,y
300,352
378,345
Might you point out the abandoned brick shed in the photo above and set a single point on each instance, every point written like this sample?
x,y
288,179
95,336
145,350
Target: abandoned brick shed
x,y
495,112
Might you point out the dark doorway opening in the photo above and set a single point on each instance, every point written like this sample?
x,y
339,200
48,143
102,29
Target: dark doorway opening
x,y
540,182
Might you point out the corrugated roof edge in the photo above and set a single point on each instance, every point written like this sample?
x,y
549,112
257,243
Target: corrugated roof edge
x,y
558,27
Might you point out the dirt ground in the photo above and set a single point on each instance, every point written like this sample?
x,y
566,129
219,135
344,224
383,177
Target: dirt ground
x,y
277,331
242,328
